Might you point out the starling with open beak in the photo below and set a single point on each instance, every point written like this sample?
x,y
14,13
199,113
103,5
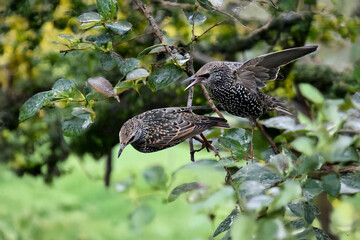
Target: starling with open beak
x,y
236,86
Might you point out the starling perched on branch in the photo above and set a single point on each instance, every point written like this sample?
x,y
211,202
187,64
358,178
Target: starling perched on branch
x,y
162,128
236,86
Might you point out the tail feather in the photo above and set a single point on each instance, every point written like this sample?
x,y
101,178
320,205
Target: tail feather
x,y
218,122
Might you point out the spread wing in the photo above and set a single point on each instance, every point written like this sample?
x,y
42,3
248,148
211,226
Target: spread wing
x,y
255,72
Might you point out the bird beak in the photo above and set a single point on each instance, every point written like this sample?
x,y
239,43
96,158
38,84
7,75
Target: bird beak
x,y
196,81
122,146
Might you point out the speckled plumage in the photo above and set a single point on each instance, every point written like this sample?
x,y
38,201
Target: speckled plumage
x,y
236,86
162,128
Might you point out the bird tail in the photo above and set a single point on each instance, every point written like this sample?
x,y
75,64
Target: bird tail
x,y
218,122
278,105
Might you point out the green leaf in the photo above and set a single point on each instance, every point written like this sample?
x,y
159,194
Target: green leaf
x,y
183,188
244,227
155,176
106,61
164,76
236,140
137,74
304,209
311,188
250,189
34,104
304,145
101,85
320,235
289,191
226,223
206,4
128,65
75,126
140,217
64,84
120,27
194,17
107,8
259,173
89,17
350,183
331,184
308,164
270,229
311,93
356,100
282,122
153,47
123,86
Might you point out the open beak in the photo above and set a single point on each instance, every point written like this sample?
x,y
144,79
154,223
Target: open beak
x,y
122,146
196,81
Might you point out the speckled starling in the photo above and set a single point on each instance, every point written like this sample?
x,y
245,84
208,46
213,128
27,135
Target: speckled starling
x,y
162,128
236,86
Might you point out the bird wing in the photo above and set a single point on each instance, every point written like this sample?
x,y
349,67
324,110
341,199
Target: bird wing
x,y
177,124
255,72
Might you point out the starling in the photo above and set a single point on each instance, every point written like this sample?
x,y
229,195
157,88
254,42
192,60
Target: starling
x,y
236,86
162,128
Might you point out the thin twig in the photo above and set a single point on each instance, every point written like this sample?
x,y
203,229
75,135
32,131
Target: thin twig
x,y
268,138
212,105
133,38
232,17
158,33
174,4
195,38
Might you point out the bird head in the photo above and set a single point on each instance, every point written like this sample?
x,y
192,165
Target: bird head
x,y
207,73
129,132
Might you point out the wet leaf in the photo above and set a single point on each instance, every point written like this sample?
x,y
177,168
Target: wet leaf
x,y
290,190
164,76
101,85
64,84
259,173
331,184
226,223
282,122
128,65
106,61
194,17
34,104
311,93
107,8
250,189
311,188
237,141
120,27
270,229
356,100
75,126
89,17
136,74
184,188
155,176
320,235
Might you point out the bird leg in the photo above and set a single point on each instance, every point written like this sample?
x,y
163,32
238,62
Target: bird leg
x,y
268,138
252,138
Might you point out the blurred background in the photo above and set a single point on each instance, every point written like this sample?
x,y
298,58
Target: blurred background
x,y
58,187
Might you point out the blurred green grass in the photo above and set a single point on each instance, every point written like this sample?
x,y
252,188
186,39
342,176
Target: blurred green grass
x,y
78,206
